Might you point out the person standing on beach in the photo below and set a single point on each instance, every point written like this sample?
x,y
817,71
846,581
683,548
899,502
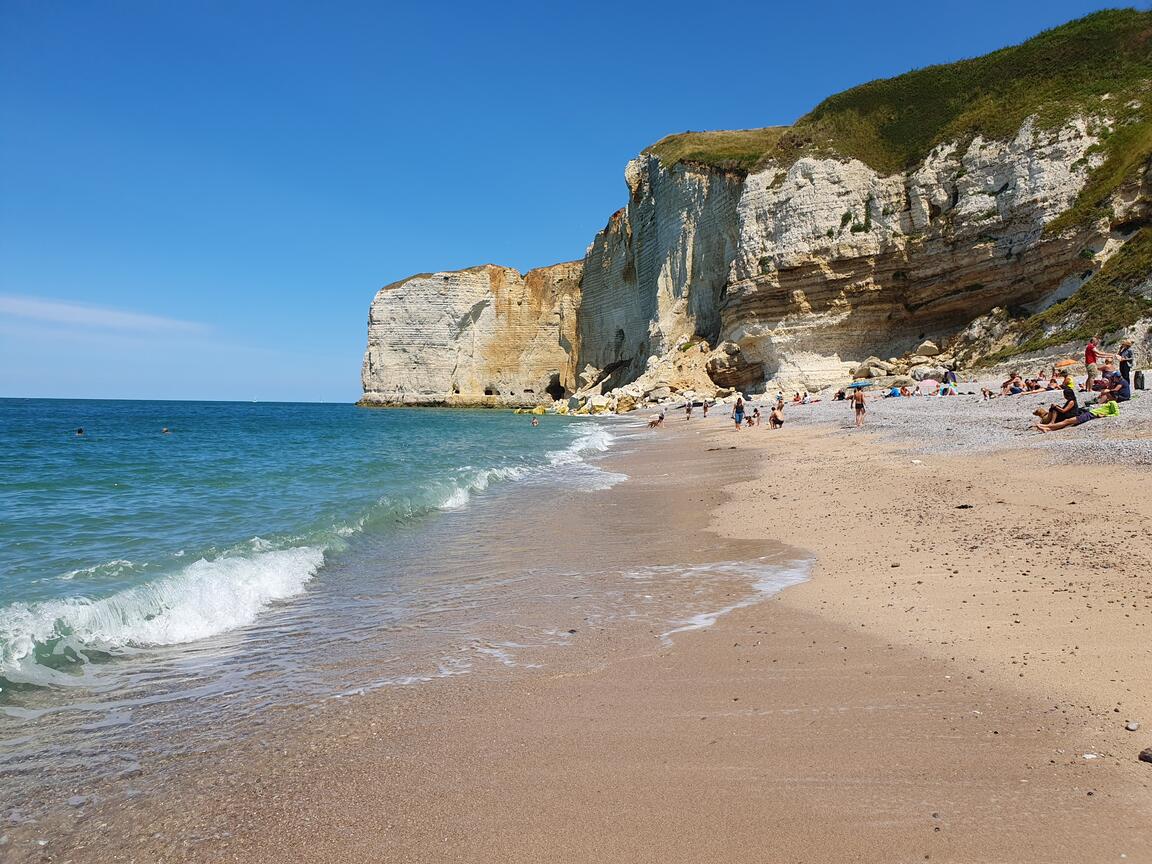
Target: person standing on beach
x,y
858,407
688,410
1090,359
738,412
705,409
1124,355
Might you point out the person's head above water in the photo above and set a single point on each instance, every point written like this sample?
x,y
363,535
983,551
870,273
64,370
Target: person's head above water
x,y
80,431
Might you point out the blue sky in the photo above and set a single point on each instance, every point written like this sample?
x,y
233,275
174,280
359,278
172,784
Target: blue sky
x,y
198,200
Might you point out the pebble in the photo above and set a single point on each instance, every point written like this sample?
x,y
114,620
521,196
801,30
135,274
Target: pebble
x,y
1132,726
1146,754
1000,423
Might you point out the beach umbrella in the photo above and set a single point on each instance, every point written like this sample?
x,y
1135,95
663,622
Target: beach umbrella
x,y
1064,364
856,384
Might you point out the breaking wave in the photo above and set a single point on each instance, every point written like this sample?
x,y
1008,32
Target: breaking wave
x,y
45,643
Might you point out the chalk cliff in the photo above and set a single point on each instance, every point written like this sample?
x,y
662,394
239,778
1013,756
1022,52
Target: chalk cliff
x,y
483,336
876,222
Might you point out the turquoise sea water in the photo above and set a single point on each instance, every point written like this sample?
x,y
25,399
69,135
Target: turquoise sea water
x,y
126,539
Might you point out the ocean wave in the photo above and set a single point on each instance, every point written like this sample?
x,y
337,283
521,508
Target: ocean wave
x,y
50,642
38,641
592,438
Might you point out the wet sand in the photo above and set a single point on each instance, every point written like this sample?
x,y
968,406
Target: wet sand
x,y
874,713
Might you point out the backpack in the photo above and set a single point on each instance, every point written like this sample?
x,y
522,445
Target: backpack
x,y
1138,379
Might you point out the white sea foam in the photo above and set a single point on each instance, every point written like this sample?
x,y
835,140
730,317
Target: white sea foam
x,y
477,480
772,579
204,599
593,438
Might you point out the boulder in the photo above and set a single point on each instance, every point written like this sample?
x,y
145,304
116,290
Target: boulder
x,y
728,367
658,393
924,371
928,348
625,403
589,376
539,409
873,367
599,404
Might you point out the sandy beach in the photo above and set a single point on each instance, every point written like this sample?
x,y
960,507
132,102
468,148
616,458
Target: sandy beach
x,y
951,684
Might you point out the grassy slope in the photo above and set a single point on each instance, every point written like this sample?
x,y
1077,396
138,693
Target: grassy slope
x,y
1095,65
1108,302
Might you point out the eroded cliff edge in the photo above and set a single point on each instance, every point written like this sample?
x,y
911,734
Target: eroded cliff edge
x,y
784,257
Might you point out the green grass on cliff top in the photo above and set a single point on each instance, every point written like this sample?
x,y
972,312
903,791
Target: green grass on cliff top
x,y
736,149
1106,303
1095,65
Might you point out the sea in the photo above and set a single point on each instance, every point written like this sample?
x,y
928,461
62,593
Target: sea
x,y
178,570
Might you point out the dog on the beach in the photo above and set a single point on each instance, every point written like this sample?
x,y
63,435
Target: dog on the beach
x,y
654,422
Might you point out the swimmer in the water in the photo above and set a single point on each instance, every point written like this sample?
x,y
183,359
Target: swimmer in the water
x,y
80,431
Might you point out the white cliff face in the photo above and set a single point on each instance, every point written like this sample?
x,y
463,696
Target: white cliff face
x,y
836,262
807,268
483,336
654,276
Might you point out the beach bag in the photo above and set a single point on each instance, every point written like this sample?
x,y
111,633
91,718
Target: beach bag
x,y
1138,379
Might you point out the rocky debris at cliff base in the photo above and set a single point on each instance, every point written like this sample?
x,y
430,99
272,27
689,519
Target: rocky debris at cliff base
x,y
874,367
728,367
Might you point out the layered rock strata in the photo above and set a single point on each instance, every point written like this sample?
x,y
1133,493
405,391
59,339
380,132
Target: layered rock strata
x,y
655,275
836,262
483,336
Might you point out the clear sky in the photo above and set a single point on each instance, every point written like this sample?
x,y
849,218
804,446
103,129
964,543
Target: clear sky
x,y
198,200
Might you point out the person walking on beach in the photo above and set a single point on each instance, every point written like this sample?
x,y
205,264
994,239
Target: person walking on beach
x,y
705,409
858,407
738,412
688,410
1090,359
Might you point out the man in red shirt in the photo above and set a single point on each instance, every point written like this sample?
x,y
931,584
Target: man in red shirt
x,y
1090,363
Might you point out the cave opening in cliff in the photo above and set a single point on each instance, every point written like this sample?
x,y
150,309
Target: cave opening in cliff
x,y
555,389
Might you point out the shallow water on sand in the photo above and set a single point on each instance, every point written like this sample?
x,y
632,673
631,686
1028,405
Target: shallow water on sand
x,y
436,544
